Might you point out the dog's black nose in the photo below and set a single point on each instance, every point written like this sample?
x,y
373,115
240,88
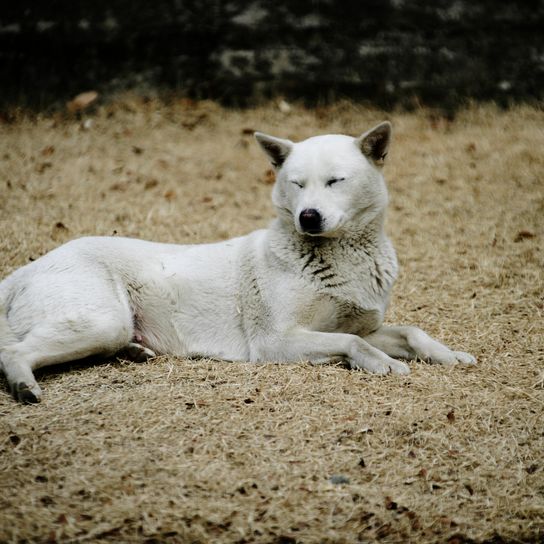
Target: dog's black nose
x,y
310,221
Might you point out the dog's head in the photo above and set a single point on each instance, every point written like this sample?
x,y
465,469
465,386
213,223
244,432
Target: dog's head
x,y
329,185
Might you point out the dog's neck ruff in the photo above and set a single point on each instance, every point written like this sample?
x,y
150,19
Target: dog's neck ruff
x,y
286,239
361,266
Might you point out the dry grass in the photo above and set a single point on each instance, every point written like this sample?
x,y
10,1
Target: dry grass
x,y
202,451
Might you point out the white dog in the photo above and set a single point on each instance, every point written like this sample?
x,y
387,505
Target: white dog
x,y
312,287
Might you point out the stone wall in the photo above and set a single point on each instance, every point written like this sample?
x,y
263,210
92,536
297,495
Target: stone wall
x,y
436,52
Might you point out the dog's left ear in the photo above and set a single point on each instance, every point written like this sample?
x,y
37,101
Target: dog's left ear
x,y
277,149
374,143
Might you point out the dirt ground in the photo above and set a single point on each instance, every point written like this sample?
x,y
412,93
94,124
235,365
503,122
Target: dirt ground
x,y
210,452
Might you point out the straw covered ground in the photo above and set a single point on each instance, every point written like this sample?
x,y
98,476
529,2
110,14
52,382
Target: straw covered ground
x,y
203,451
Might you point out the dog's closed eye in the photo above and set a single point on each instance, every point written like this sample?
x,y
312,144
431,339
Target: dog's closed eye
x,y
297,183
333,181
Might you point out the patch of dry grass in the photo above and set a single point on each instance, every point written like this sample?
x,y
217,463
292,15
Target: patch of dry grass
x,y
202,451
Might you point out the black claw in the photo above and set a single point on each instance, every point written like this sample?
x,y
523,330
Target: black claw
x,y
25,395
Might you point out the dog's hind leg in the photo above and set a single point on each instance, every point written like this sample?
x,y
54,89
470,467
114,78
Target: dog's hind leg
x,y
22,383
137,353
409,342
60,341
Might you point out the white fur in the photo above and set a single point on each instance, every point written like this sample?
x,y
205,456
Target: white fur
x,y
279,294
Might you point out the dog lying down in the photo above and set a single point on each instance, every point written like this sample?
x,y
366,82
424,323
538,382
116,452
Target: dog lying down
x,y
314,286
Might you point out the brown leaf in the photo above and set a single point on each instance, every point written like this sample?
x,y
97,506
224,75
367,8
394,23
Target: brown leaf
x,y
523,234
47,151
390,504
60,225
62,519
170,194
247,131
150,183
42,167
451,416
137,150
81,101
269,177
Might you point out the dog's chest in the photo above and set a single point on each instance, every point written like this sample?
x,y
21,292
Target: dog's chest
x,y
334,314
350,294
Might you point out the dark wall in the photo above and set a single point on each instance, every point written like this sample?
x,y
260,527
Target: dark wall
x,y
385,51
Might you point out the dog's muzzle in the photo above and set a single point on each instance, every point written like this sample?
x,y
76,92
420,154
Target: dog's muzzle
x,y
310,221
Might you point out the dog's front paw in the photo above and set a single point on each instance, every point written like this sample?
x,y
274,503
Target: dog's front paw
x,y
464,357
380,366
445,356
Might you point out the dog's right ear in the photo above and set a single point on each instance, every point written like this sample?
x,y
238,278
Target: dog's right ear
x,y
276,148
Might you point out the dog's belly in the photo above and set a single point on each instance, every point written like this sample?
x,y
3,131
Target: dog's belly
x,y
186,304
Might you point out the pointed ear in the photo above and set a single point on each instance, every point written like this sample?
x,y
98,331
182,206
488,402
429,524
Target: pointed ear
x,y
374,143
276,148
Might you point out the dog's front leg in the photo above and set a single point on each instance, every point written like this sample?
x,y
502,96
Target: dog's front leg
x,y
410,342
320,347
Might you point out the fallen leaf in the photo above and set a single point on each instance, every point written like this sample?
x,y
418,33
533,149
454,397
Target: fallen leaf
x,y
524,234
150,183
451,416
137,150
42,167
269,177
390,504
284,106
47,151
81,101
